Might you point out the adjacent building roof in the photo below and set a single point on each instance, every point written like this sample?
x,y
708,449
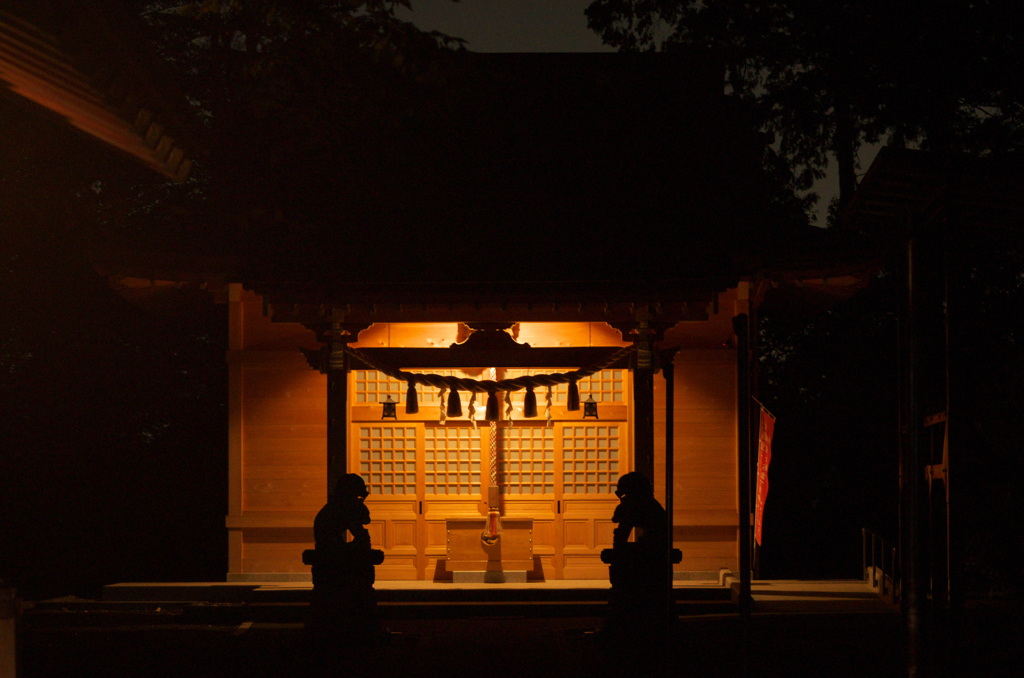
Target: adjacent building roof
x,y
70,59
904,189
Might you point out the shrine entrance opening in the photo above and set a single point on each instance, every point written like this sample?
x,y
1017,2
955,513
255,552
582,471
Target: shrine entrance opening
x,y
559,473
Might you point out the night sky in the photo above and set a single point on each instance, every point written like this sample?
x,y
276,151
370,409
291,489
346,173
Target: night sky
x,y
510,25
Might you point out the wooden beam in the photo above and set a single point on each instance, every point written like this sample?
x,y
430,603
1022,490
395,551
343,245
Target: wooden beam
x,y
236,344
337,418
643,414
425,358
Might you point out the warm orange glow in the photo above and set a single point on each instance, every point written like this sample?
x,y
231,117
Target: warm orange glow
x,y
569,334
425,473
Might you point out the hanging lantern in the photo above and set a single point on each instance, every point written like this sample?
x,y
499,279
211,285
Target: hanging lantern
x,y
493,410
412,402
590,407
572,402
530,403
454,404
390,409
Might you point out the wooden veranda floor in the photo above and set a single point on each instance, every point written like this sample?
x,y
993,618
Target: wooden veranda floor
x,y
770,596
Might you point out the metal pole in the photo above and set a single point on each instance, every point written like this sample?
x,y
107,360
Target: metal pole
x,y
911,474
743,461
954,548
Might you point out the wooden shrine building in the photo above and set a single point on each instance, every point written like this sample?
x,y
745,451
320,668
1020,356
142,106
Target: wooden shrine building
x,y
294,427
605,216
576,212
600,217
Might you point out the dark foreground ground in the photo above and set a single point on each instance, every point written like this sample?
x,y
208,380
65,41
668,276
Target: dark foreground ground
x,y
989,643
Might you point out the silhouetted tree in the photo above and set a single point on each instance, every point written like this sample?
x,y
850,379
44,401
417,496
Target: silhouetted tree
x,y
114,419
292,99
828,77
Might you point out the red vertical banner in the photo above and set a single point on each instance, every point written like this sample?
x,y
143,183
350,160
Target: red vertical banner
x,y
764,457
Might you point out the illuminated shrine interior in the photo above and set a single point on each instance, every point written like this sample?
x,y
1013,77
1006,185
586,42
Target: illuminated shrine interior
x,y
551,476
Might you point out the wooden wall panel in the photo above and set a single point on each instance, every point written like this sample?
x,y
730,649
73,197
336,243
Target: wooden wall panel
x,y
404,534
577,534
286,412
604,533
584,567
284,501
376,530
278,430
284,437
284,381
707,548
298,487
397,568
704,440
543,534
289,452
275,550
437,534
278,421
257,564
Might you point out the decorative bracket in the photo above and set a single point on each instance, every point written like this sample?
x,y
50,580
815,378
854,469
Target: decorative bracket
x,y
489,337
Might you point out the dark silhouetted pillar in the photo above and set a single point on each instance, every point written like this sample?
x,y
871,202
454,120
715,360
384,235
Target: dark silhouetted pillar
x,y
742,330
643,405
337,407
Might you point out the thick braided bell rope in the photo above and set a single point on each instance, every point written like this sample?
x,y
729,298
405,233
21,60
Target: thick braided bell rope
x,y
494,443
490,385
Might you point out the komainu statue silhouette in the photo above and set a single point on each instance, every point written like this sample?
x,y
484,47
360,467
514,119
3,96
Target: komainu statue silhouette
x,y
343,606
639,570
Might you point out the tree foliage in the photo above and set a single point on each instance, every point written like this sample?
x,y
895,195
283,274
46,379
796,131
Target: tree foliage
x,y
114,417
291,94
829,77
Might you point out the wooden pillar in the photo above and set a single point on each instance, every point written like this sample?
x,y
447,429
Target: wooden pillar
x,y
742,330
643,399
957,436
236,345
337,409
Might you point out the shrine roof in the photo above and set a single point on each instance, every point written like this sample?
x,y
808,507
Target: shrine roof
x,y
544,173
526,179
